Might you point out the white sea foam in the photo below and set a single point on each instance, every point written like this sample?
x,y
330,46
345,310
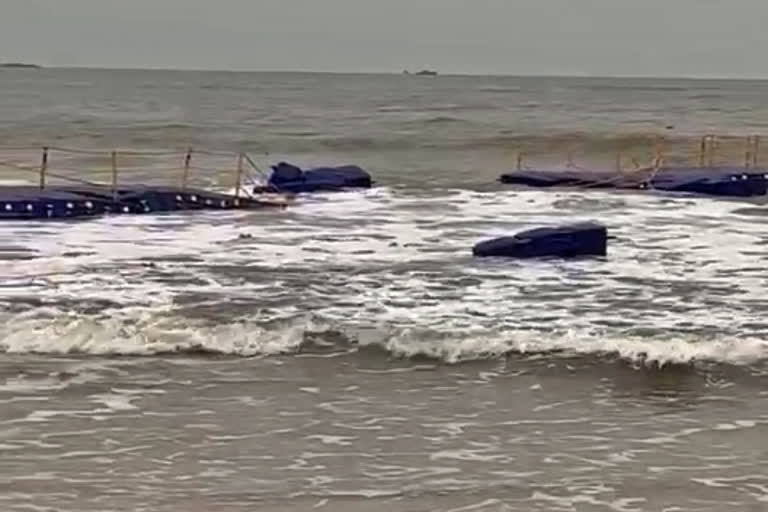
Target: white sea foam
x,y
392,268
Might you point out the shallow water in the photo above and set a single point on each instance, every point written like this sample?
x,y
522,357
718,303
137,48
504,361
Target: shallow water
x,y
348,352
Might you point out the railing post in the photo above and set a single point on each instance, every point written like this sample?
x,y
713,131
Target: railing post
x,y
239,174
748,153
43,167
755,149
114,175
185,177
703,150
658,153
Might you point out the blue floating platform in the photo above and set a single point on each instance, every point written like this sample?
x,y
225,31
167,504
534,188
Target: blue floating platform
x,y
568,241
19,202
286,177
710,181
715,181
33,203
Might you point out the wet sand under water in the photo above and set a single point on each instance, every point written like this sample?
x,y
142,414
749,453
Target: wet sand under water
x,y
345,431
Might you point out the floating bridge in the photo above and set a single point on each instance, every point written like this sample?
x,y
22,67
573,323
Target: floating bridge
x,y
61,195
707,177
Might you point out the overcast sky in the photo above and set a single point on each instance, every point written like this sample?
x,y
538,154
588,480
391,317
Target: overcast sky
x,y
720,38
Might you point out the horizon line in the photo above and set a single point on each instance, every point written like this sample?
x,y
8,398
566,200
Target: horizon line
x,y
402,73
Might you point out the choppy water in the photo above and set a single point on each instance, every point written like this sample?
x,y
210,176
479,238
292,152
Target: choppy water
x,y
348,353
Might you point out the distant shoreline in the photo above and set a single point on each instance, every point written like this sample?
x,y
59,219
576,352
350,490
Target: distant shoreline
x,y
19,65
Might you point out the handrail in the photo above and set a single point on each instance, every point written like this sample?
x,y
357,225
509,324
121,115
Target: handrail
x,y
128,152
709,146
44,170
47,173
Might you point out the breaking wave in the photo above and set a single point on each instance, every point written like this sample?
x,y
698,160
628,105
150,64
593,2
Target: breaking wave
x,y
147,334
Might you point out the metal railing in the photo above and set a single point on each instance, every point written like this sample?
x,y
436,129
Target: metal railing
x,y
47,169
707,151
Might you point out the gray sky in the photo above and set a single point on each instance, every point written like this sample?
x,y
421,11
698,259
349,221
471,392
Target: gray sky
x,y
721,38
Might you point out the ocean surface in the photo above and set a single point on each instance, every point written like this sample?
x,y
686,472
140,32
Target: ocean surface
x,y
347,353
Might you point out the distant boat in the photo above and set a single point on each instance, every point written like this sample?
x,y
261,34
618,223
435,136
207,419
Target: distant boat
x,y
21,65
423,72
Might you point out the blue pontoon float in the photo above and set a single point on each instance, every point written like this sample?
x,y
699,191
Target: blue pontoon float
x,y
63,202
711,181
567,241
286,177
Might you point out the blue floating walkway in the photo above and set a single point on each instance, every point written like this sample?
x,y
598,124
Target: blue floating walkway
x,y
709,181
568,241
286,177
20,202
